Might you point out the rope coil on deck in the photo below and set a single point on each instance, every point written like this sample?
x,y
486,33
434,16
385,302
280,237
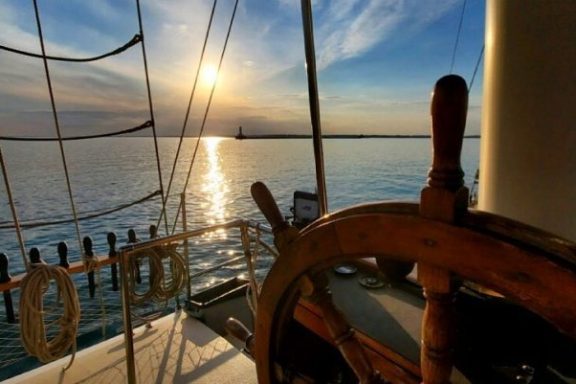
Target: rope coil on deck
x,y
32,312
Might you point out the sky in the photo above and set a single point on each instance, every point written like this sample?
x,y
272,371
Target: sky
x,y
377,63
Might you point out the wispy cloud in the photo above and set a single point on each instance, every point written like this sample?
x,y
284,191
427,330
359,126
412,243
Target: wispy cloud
x,y
349,28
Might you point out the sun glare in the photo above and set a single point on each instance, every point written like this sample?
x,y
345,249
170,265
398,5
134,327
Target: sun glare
x,y
209,75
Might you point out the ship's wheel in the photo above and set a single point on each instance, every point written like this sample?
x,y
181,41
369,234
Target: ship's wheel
x,y
448,242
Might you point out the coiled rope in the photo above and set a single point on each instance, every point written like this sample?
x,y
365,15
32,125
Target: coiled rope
x,y
177,275
158,290
33,330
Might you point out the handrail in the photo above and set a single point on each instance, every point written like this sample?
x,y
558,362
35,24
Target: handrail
x,y
129,248
103,260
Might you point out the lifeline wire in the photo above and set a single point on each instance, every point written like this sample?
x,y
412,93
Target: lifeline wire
x,y
207,109
32,311
189,107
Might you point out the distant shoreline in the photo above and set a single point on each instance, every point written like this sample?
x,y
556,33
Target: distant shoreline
x,y
287,136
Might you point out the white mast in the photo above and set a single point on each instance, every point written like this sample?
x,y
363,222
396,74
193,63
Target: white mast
x,y
528,149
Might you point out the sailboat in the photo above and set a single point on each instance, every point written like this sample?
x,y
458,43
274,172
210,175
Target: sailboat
x,y
493,299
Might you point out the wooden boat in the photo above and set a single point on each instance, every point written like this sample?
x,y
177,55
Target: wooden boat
x,y
493,300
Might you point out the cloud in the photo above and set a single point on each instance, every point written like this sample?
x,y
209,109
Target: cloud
x,y
349,28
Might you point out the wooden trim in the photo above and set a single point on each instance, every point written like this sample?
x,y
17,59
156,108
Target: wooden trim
x,y
75,267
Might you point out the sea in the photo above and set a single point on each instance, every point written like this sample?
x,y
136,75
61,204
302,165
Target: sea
x,y
214,174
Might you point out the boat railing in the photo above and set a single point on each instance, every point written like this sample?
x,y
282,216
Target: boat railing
x,y
210,254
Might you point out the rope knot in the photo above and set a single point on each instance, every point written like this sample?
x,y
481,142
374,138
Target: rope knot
x,y
91,263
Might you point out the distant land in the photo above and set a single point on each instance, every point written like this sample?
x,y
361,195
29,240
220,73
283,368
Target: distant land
x,y
289,136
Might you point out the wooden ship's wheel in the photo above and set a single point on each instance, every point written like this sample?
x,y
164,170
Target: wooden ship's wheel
x,y
449,244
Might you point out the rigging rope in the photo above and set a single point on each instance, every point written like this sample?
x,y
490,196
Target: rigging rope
x,y
207,110
457,37
184,125
13,209
151,108
140,127
135,40
6,224
57,125
32,327
476,68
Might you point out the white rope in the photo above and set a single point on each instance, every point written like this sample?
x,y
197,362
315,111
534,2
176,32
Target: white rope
x,y
32,327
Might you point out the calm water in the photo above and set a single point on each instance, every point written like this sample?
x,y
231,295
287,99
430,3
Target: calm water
x,y
106,173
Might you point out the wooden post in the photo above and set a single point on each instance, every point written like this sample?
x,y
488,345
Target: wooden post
x,y
135,265
444,199
34,255
63,254
111,238
4,278
89,253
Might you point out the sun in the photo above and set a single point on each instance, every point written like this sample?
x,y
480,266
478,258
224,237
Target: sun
x,y
209,75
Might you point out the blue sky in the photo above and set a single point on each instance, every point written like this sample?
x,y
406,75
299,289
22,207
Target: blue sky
x,y
378,61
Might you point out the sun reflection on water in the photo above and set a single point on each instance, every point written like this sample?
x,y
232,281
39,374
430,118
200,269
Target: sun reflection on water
x,y
214,187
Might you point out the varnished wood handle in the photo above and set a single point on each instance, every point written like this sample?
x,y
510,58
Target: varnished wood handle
x,y
242,333
449,107
265,201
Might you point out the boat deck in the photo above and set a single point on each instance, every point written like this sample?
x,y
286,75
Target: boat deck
x,y
176,349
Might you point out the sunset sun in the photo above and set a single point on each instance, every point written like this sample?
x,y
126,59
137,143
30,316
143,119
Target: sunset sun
x,y
209,75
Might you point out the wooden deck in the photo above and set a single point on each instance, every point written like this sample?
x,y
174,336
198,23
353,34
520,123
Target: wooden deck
x,y
176,349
